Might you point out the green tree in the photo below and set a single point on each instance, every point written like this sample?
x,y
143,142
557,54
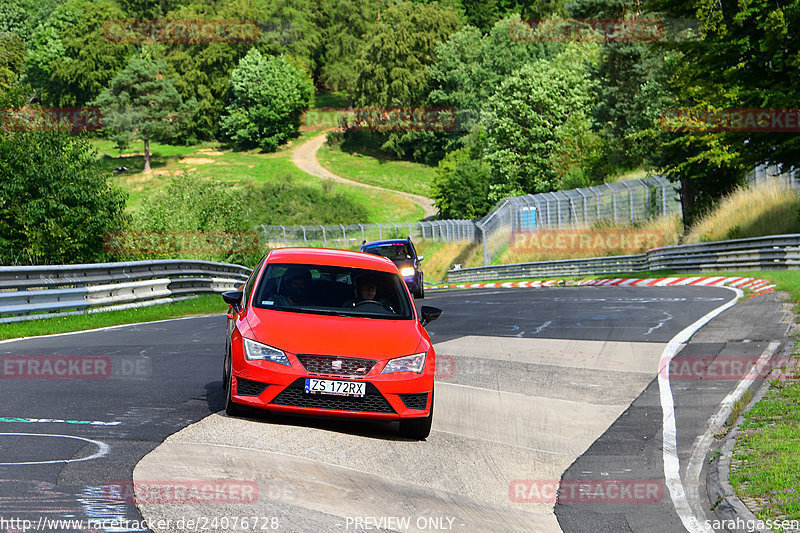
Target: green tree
x,y
22,16
345,26
533,120
12,57
268,96
69,58
204,69
141,103
747,56
462,180
56,205
469,68
392,64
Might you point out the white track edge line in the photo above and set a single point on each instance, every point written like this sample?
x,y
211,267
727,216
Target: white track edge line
x,y
672,469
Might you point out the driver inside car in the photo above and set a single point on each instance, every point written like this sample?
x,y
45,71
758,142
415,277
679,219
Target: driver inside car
x,y
367,291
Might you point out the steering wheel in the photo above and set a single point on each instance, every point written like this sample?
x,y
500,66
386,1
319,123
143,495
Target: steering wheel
x,y
376,302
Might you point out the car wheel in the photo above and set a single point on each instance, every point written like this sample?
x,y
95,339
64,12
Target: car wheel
x,y
231,409
417,428
225,375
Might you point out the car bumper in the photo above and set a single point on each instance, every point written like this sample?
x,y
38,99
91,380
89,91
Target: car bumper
x,y
413,283
392,396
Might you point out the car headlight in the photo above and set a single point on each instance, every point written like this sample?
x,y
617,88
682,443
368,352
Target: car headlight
x,y
407,272
409,363
255,351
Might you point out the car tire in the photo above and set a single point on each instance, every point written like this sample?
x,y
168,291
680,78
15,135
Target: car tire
x,y
225,376
420,294
417,428
231,409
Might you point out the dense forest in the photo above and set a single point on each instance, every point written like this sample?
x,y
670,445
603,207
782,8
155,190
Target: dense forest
x,y
545,99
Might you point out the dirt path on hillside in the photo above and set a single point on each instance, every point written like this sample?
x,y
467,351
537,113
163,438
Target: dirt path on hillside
x,y
305,158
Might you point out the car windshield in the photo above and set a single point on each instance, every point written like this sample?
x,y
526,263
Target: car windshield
x,y
394,251
333,290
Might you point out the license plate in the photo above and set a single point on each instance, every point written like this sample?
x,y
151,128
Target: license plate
x,y
336,388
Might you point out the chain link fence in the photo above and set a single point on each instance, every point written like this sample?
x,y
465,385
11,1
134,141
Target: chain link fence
x,y
352,235
621,202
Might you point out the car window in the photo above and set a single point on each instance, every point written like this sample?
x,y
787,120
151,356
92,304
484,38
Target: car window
x,y
334,290
393,251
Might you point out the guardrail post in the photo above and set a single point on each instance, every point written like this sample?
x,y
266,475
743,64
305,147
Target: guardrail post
x,y
396,233
363,238
344,235
324,239
305,240
664,199
284,234
380,233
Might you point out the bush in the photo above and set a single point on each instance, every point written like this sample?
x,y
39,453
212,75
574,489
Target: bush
x,y
56,205
268,97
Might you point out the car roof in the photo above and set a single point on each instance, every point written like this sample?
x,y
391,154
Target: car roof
x,y
332,257
387,241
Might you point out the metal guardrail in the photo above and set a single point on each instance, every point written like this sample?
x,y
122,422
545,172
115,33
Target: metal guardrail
x,y
775,252
45,291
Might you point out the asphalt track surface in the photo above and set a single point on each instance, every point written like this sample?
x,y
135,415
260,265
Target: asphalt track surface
x,y
533,383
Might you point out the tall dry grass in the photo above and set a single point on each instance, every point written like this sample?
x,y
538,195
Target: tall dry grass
x,y
768,208
660,231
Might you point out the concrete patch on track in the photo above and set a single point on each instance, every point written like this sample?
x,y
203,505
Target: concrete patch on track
x,y
494,424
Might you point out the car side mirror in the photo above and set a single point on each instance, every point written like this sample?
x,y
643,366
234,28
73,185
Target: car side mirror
x,y
234,299
429,314
420,258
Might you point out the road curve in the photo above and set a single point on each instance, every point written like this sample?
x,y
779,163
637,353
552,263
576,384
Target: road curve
x,y
533,384
528,380
305,158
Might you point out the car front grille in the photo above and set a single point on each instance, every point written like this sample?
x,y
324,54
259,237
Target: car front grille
x,y
415,401
245,387
295,396
336,366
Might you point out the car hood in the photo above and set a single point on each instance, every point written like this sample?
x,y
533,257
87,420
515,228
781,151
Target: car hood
x,y
301,333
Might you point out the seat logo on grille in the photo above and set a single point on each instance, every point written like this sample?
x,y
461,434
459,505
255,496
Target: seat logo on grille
x,y
336,365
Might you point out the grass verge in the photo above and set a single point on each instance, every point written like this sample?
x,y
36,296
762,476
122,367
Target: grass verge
x,y
765,469
212,160
206,304
374,168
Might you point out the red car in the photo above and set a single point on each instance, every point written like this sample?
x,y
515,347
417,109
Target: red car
x,y
330,333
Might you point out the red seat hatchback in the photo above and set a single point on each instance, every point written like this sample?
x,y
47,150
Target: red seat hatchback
x,y
330,333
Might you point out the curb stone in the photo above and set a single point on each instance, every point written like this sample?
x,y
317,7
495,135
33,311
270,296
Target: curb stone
x,y
756,285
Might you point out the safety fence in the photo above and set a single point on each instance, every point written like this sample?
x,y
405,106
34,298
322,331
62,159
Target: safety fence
x,y
45,291
352,235
621,202
776,252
